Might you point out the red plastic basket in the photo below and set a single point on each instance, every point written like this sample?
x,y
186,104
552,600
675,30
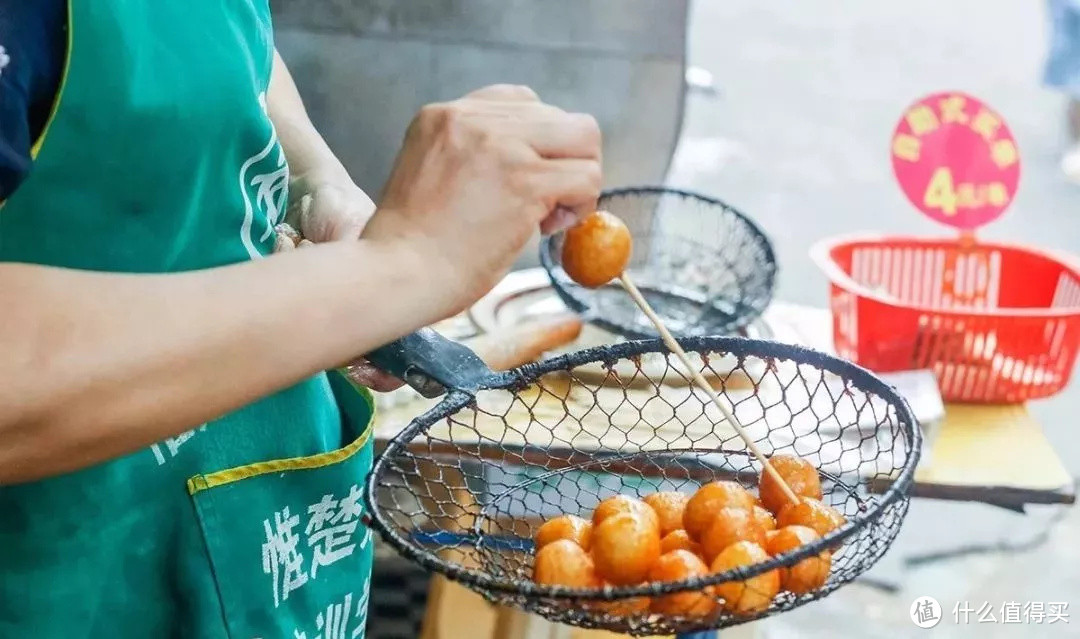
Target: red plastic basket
x,y
995,322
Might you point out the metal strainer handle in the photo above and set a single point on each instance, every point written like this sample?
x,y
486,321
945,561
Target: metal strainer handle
x,y
432,364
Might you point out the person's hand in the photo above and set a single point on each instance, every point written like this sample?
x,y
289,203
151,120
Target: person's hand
x,y
328,211
474,179
324,210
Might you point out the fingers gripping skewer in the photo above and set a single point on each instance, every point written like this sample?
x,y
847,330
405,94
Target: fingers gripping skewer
x,y
596,251
699,379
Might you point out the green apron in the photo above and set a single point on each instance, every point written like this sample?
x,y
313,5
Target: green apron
x,y
159,157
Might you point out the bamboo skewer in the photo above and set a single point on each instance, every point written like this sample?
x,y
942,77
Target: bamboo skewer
x,y
699,379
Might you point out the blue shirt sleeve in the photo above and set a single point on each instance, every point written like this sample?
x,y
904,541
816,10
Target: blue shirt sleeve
x,y
33,43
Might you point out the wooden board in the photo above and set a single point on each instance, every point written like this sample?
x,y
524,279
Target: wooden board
x,y
995,454
454,611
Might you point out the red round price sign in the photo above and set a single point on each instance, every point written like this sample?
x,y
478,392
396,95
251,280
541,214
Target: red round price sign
x,y
956,160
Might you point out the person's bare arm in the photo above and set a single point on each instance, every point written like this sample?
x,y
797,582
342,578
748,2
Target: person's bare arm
x,y
335,208
338,208
305,149
99,365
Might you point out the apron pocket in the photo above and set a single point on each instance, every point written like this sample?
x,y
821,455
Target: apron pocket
x,y
290,554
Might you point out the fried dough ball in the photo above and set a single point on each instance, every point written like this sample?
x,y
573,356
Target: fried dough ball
x,y
624,548
812,514
764,518
752,595
669,507
800,476
564,563
679,540
570,527
708,500
680,565
729,526
810,573
596,249
620,504
622,607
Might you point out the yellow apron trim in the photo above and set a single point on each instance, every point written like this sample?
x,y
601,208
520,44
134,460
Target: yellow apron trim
x,y
36,148
221,477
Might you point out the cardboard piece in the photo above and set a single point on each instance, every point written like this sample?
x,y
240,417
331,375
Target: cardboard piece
x,y
995,454
995,448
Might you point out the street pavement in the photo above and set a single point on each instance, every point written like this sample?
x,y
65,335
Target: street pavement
x,y
797,136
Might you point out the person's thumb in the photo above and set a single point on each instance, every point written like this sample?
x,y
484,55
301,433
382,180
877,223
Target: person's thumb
x,y
338,214
285,238
364,373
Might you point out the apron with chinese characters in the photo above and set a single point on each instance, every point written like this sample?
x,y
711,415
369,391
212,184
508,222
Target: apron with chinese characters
x,y
159,157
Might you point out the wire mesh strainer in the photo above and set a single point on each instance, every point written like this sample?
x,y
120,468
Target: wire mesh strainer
x,y
704,267
463,488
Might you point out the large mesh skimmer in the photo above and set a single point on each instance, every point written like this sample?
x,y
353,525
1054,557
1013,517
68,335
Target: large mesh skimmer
x,y
704,267
462,488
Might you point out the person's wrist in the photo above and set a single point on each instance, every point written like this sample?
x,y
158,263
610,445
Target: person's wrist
x,y
329,172
326,207
421,274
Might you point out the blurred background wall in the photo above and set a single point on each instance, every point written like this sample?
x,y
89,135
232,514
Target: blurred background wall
x,y
365,66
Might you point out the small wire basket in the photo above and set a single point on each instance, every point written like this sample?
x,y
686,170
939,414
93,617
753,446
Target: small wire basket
x,y
704,267
464,487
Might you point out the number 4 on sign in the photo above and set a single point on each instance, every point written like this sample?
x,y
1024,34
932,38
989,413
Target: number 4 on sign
x,y
942,193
